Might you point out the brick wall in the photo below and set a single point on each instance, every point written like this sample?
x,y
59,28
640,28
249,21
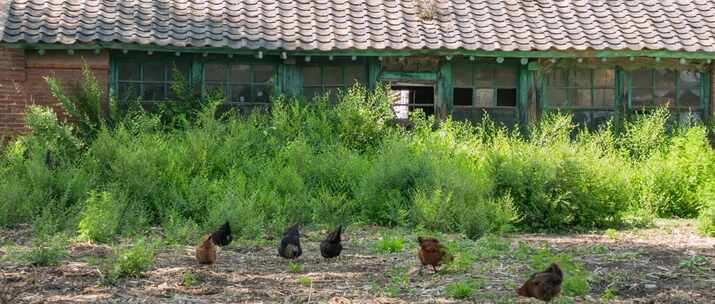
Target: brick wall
x,y
22,83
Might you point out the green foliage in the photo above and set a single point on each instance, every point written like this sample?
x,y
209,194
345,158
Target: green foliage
x,y
389,245
576,277
48,252
397,281
187,168
461,289
696,263
189,279
295,267
611,233
131,261
304,281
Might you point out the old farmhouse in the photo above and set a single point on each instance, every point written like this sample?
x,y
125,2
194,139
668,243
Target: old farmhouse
x,y
511,59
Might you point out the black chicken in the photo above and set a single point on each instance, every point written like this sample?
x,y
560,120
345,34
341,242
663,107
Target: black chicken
x,y
222,236
290,244
331,247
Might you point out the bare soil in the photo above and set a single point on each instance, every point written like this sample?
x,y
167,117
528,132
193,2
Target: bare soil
x,y
633,266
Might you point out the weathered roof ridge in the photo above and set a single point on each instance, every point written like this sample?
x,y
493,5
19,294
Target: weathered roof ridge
x,y
336,25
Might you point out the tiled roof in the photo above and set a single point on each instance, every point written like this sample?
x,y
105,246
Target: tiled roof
x,y
506,25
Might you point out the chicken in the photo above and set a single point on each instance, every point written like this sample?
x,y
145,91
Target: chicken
x,y
544,285
331,247
290,244
222,236
206,252
433,253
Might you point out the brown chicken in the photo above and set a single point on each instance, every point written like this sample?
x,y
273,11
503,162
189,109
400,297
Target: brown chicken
x,y
206,252
433,253
544,285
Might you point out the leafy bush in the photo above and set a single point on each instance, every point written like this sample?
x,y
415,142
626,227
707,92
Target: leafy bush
x,y
131,261
100,218
461,289
390,245
48,252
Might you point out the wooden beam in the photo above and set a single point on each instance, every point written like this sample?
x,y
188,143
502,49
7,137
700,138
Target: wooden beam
x,y
419,76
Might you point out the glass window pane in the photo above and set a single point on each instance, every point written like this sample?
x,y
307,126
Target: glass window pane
x,y
664,79
128,71
154,91
154,72
128,91
333,76
556,98
641,97
604,79
311,76
484,98
557,78
241,93
310,93
240,73
641,79
580,78
582,98
356,74
182,67
262,73
215,72
463,75
604,98
506,97
505,77
689,94
483,77
463,96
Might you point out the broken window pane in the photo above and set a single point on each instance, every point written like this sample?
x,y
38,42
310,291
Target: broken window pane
x,y
463,96
241,93
506,97
154,91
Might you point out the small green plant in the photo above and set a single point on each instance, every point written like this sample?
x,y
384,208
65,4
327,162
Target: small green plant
x,y
696,263
609,294
295,267
390,245
464,258
304,281
131,261
397,280
491,246
461,289
189,279
611,234
45,255
101,216
576,277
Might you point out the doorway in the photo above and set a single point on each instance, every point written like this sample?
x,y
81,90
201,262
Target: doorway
x,y
406,98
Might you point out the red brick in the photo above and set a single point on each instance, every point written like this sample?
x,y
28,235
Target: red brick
x,y
22,80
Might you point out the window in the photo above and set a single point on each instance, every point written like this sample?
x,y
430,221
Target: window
x,y
318,79
485,89
148,81
681,91
590,94
244,83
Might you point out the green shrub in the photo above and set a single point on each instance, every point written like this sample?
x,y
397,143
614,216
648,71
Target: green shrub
x,y
47,252
389,245
101,216
295,267
131,261
461,289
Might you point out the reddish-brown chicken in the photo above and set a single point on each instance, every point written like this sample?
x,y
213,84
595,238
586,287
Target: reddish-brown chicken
x,y
433,253
206,251
544,285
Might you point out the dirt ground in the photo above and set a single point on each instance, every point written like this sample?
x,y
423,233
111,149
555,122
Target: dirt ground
x,y
668,263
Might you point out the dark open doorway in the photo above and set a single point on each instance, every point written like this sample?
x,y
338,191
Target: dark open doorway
x,y
407,98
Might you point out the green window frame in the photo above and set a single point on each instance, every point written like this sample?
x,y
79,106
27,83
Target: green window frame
x,y
590,94
320,78
148,80
242,82
486,89
682,92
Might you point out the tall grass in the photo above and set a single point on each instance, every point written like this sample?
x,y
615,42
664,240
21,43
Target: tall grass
x,y
313,162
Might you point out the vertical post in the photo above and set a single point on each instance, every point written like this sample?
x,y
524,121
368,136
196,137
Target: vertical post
x,y
621,103
445,90
112,85
373,73
709,89
197,74
522,103
290,78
